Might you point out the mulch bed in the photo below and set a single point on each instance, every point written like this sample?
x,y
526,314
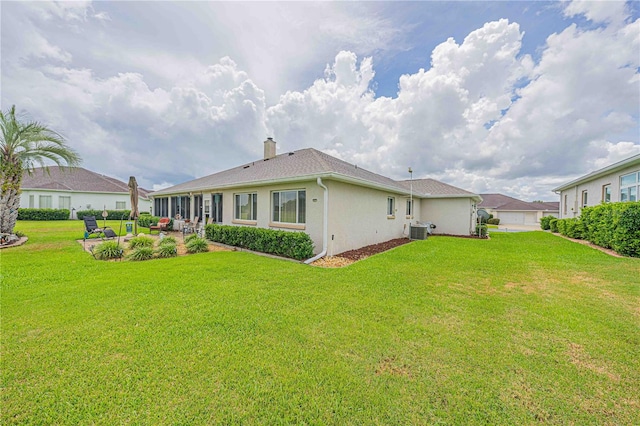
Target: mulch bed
x,y
367,251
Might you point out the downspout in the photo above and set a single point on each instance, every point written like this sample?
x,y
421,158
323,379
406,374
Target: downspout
x,y
325,224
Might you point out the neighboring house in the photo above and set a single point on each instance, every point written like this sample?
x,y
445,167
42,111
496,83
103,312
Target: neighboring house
x,y
75,188
617,182
512,211
340,205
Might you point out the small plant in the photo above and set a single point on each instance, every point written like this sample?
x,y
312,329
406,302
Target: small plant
x,y
142,241
166,250
190,237
141,253
108,250
168,240
19,234
481,231
197,245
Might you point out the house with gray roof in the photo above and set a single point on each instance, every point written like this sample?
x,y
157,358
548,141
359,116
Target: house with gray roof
x,y
512,211
618,182
76,188
340,205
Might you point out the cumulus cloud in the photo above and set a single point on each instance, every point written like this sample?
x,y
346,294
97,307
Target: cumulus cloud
x,y
482,114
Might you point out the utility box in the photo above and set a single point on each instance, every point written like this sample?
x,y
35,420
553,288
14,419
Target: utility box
x,y
418,232
129,226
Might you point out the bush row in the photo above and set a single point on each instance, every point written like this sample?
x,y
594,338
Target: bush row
x,y
493,221
611,225
295,245
112,214
43,214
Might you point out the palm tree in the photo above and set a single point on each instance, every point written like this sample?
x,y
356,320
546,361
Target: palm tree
x,y
25,145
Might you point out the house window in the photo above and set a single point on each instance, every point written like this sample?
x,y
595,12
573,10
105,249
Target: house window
x,y
391,206
216,207
64,203
32,203
606,193
566,210
289,206
584,199
45,202
181,206
409,208
161,207
630,187
246,206
121,205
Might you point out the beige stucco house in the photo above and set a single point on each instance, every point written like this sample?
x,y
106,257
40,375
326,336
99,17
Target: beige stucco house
x,y
76,188
340,205
617,182
512,211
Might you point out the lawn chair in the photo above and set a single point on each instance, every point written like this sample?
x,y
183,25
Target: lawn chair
x,y
92,228
191,226
161,226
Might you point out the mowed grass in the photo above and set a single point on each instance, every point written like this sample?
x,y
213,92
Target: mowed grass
x,y
521,329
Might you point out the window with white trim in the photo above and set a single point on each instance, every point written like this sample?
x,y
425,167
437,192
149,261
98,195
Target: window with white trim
x,y
391,206
121,205
606,193
630,187
32,203
584,199
409,207
45,202
289,206
246,206
64,202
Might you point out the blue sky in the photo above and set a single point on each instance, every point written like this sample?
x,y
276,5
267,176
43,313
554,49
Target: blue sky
x,y
509,97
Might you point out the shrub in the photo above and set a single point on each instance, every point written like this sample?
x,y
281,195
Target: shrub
x,y
141,253
295,245
197,245
43,214
112,214
190,237
570,227
142,241
167,250
108,250
168,240
481,231
553,225
146,220
493,221
544,222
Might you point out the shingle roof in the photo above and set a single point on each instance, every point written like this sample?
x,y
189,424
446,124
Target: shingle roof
x,y
628,162
74,179
504,202
303,163
434,187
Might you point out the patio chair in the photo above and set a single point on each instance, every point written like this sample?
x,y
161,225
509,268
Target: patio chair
x,y
162,225
92,228
191,226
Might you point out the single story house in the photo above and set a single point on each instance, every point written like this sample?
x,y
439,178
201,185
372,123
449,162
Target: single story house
x,y
76,188
340,205
618,182
512,211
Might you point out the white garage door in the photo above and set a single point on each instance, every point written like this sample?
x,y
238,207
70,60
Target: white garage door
x,y
511,218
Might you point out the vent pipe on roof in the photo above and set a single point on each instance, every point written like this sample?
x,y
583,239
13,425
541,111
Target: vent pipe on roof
x,y
269,148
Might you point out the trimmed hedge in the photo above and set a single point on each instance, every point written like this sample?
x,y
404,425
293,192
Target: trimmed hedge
x,y
614,225
43,214
295,245
544,222
112,214
553,225
493,221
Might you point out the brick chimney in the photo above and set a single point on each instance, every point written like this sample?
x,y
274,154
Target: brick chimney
x,y
269,148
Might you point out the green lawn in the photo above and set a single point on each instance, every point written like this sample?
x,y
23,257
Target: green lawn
x,y
520,329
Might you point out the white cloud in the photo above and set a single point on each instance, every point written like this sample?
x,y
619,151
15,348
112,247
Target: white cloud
x,y
610,12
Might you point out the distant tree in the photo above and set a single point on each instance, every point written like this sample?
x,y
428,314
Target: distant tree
x,y
25,145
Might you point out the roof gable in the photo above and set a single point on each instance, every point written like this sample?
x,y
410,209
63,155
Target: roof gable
x,y
74,179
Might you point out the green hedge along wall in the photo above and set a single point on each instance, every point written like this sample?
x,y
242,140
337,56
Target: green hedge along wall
x,y
611,225
295,245
43,214
112,214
